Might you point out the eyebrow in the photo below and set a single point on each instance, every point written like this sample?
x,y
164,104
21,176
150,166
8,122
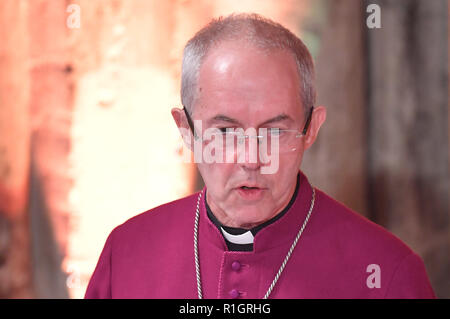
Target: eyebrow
x,y
224,118
278,118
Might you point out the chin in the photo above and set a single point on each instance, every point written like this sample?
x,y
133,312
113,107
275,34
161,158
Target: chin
x,y
250,220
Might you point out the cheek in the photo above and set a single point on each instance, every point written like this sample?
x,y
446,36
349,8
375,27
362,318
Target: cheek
x,y
290,163
289,166
215,176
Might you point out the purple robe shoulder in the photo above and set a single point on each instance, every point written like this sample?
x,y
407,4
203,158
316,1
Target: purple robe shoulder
x,y
339,255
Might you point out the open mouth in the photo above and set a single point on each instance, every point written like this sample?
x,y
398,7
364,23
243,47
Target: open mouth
x,y
251,192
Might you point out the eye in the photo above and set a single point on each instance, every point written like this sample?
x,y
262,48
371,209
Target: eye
x,y
275,131
224,130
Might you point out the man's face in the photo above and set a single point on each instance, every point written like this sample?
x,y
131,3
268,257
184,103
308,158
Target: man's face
x,y
240,86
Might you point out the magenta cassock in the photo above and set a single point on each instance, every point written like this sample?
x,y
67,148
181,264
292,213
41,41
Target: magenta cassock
x,y
339,253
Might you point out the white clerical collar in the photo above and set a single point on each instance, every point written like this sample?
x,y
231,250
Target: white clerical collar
x,y
245,238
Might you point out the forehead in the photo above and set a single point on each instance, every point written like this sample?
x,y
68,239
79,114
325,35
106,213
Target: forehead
x,y
240,80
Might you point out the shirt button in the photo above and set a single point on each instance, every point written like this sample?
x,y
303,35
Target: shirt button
x,y
234,293
236,265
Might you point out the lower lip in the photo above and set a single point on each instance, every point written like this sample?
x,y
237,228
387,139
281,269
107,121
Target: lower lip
x,y
251,194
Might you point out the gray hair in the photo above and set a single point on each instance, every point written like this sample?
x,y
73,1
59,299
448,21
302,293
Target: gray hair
x,y
261,32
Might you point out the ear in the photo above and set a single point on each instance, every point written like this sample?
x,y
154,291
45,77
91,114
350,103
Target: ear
x,y
317,119
183,126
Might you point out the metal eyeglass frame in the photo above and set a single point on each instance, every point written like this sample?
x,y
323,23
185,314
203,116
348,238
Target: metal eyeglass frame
x,y
304,131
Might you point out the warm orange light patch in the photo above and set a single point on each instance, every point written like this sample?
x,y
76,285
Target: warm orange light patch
x,y
125,155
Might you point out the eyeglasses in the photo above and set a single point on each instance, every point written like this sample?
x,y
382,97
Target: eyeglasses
x,y
273,139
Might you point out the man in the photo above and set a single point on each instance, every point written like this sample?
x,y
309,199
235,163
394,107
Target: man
x,y
253,232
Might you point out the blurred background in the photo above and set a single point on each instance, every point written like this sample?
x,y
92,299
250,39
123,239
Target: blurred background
x,y
87,140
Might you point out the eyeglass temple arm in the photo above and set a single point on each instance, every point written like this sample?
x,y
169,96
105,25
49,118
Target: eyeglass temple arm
x,y
189,119
308,120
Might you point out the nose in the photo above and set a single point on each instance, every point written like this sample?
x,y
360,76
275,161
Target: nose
x,y
248,154
251,166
